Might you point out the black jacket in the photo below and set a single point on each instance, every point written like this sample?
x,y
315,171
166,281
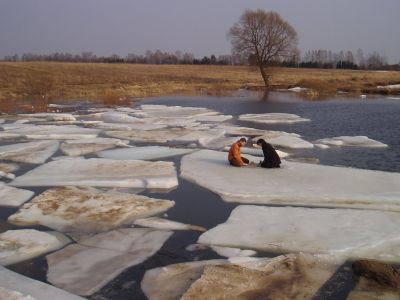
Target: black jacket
x,y
271,158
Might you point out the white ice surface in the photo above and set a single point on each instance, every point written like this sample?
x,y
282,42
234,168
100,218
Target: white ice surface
x,y
119,117
51,116
86,267
356,141
272,118
50,132
129,126
86,146
170,282
216,118
233,252
351,233
30,287
70,209
11,196
164,224
286,141
163,111
145,153
392,86
31,152
23,244
101,172
294,183
241,131
297,89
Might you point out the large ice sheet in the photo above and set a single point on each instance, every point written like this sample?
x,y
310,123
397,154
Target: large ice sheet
x,y
160,136
129,126
348,232
101,172
51,132
164,224
163,111
240,131
286,141
119,117
272,118
172,281
355,141
294,183
11,196
216,118
148,152
174,136
284,277
86,267
51,116
86,146
70,209
23,244
32,152
6,170
33,289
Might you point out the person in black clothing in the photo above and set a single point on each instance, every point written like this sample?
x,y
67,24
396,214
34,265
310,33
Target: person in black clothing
x,y
271,158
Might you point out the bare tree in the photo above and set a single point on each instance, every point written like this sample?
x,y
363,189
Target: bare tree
x,y
264,35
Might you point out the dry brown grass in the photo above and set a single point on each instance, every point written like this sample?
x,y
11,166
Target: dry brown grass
x,y
114,82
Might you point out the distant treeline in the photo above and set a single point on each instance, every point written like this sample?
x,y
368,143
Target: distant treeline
x,y
324,59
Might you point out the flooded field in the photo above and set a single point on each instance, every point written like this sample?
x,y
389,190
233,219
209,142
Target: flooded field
x,y
197,201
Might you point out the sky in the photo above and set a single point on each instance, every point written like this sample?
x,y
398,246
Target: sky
x,y
120,27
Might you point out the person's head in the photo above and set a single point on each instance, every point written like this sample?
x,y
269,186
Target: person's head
x,y
242,141
260,142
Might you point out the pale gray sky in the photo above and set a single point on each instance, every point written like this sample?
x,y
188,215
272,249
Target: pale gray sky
x,y
123,26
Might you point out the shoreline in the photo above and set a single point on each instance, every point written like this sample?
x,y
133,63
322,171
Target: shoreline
x,y
124,82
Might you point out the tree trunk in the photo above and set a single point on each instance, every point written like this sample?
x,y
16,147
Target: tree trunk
x,y
264,75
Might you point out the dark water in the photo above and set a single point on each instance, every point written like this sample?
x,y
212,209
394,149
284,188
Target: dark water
x,y
378,119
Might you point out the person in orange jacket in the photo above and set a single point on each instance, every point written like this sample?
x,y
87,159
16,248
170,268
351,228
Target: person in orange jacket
x,y
234,154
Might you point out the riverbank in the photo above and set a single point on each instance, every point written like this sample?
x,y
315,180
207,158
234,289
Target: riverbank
x,y
115,82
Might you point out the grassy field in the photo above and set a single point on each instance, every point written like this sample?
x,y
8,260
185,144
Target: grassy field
x,y
114,82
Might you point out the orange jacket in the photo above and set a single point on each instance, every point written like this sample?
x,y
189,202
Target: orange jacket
x,y
234,153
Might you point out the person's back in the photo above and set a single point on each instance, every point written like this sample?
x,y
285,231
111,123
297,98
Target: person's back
x,y
271,158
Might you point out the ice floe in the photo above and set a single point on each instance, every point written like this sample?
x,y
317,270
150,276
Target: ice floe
x,y
241,131
6,170
368,290
173,136
86,146
100,172
171,282
233,252
25,288
286,141
355,141
51,116
129,126
294,183
272,118
163,111
69,209
86,267
164,224
347,232
148,152
297,89
50,132
119,117
284,277
32,152
23,244
10,196
391,86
